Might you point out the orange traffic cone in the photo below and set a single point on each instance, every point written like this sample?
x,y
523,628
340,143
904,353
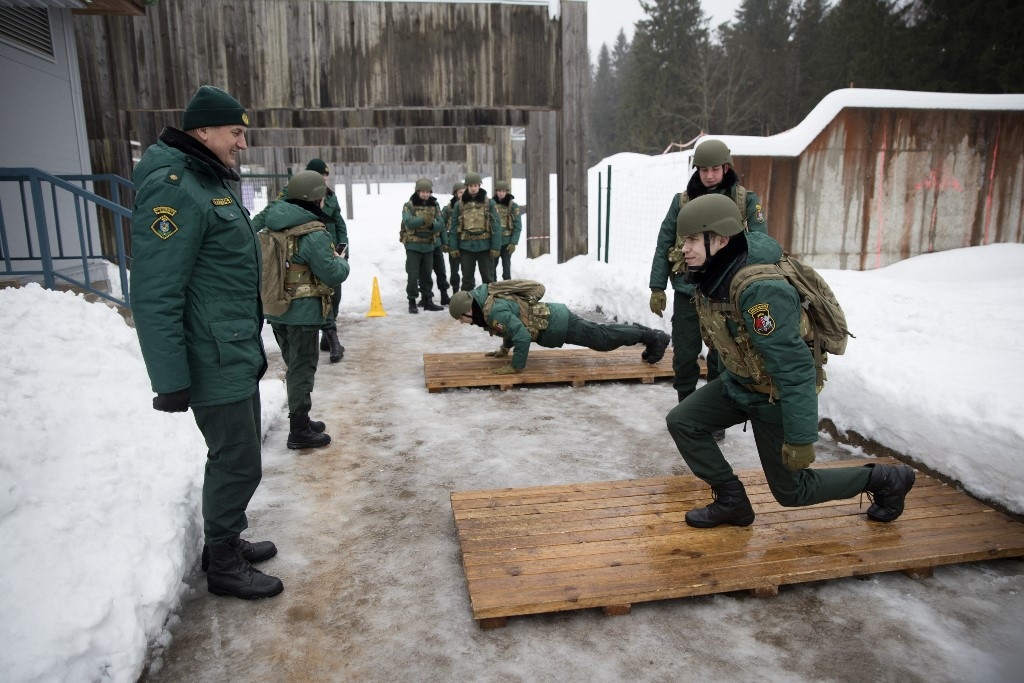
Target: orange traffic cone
x,y
376,309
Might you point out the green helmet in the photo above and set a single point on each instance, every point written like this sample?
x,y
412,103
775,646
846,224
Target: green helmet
x,y
458,186
307,185
715,213
460,304
711,153
502,185
473,179
424,184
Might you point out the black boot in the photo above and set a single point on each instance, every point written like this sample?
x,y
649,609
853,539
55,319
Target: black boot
x,y
656,342
324,344
317,427
302,434
337,350
252,552
412,306
445,299
887,488
230,574
731,506
429,305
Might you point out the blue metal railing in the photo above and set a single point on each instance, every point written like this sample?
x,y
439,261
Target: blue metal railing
x,y
42,218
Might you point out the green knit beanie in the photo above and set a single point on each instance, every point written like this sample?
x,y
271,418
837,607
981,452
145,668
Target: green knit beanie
x,y
212,106
318,165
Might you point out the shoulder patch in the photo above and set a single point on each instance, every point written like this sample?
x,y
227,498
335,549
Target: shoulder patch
x,y
758,213
764,324
163,227
497,327
222,201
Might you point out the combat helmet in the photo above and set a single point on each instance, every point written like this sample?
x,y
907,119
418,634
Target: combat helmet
x,y
501,185
715,213
473,178
711,153
307,186
460,304
424,184
458,186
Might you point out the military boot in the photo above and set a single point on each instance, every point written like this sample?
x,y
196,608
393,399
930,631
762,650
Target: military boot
x,y
731,506
656,342
445,299
228,573
429,305
887,488
337,350
316,425
325,345
302,435
252,552
412,306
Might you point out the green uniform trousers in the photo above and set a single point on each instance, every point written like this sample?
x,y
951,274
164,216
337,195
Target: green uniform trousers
x,y
506,263
418,266
233,465
439,272
470,261
300,352
692,422
686,346
598,337
332,322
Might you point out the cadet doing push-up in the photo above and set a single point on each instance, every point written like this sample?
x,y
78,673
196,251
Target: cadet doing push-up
x,y
520,319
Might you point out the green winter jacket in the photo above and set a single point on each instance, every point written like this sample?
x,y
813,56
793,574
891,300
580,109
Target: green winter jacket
x,y
787,358
422,226
661,267
315,249
504,322
511,222
195,277
491,240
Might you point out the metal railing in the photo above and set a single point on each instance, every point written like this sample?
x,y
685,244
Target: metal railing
x,y
42,242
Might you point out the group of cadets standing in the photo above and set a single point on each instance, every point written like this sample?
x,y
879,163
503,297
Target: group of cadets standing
x,y
196,285
475,230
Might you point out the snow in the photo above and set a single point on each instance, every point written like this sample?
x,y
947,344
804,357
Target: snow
x,y
99,493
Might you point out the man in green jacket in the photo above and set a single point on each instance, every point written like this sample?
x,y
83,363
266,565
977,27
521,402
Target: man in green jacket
x,y
563,327
421,230
713,175
511,225
769,378
315,272
474,236
195,286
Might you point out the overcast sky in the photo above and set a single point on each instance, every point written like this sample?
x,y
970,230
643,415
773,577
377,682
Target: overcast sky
x,y
605,18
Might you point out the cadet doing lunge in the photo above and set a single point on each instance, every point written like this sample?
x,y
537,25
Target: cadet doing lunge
x,y
770,377
513,311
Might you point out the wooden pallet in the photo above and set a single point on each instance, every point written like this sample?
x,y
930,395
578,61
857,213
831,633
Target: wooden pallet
x,y
611,544
575,366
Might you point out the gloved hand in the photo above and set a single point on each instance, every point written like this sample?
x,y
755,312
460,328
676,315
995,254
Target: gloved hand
x,y
797,456
174,402
502,352
511,248
444,248
505,370
495,253
454,253
658,301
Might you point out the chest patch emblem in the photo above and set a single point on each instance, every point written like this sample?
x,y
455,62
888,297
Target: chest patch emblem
x,y
764,323
222,201
163,227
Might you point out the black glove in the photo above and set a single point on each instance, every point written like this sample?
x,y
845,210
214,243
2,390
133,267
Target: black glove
x,y
174,402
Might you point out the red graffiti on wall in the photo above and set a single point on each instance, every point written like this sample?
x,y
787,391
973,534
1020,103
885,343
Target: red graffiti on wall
x,y
935,181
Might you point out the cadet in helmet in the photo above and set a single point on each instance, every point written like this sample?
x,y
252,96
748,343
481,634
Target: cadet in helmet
x,y
421,234
714,175
338,231
446,216
315,270
550,325
769,378
474,236
511,225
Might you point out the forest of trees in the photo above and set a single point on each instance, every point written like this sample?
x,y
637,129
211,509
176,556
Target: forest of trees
x,y
762,73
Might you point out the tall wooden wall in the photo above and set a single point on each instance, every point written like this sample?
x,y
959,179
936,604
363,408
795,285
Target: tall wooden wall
x,y
370,87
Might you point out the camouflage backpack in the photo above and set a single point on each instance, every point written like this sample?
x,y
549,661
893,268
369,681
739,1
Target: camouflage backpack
x,y
527,294
281,281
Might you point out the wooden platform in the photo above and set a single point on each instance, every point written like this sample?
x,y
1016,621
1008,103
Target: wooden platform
x,y
575,366
612,544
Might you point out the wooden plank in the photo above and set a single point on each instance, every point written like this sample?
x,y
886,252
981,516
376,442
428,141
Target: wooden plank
x,y
573,366
614,544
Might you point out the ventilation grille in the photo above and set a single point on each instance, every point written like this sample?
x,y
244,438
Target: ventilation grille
x,y
29,28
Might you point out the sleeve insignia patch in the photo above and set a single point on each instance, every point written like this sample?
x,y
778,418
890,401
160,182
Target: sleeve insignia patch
x,y
222,201
758,213
163,227
497,327
764,324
